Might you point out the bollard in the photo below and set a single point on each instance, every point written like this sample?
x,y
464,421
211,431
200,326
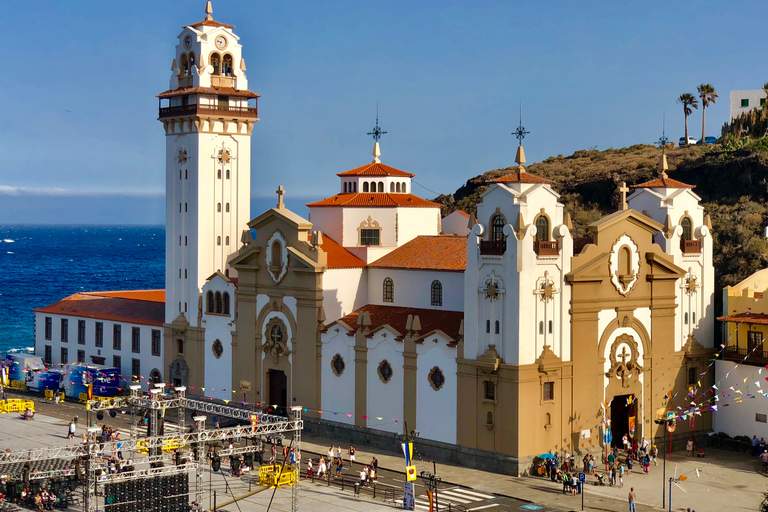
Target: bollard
x,y
357,489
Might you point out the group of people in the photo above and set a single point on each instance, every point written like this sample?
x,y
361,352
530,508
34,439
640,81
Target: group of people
x,y
759,450
335,458
42,500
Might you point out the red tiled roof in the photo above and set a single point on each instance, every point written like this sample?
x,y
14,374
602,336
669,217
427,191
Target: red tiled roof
x,y
376,169
663,183
224,91
520,177
210,23
396,317
338,256
443,252
375,199
145,307
745,318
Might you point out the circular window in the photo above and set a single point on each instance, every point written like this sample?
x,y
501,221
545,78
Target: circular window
x,y
338,365
276,333
385,371
218,349
436,378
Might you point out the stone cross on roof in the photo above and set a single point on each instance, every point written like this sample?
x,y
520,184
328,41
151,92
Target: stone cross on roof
x,y
623,189
280,191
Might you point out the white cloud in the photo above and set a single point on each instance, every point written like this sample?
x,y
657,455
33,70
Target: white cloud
x,y
6,190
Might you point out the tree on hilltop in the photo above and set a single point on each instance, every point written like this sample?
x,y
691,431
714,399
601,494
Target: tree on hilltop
x,y
708,96
689,102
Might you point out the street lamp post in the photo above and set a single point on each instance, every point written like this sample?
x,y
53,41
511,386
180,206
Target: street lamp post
x,y
664,423
431,482
407,438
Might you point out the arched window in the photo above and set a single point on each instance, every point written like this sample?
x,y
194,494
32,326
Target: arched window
x,y
155,376
549,328
216,63
191,59
219,307
225,299
381,186
227,208
354,186
403,189
542,228
693,317
209,302
218,174
365,186
345,187
497,228
218,240
686,319
183,65
226,65
488,326
227,174
489,419
218,207
687,228
226,241
541,327
496,328
389,290
392,187
277,254
437,293
397,189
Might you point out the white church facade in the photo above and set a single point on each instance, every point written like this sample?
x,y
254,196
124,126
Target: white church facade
x,y
498,332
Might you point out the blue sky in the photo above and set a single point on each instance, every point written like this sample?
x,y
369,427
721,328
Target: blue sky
x,y
81,143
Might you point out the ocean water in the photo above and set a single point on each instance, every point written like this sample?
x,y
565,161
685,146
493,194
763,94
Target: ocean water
x,y
42,264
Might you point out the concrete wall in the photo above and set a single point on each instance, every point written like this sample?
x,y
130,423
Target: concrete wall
x,y
734,104
344,290
739,419
413,288
338,391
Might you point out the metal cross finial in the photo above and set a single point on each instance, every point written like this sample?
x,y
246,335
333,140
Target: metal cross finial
x,y
280,191
623,189
520,132
663,141
377,132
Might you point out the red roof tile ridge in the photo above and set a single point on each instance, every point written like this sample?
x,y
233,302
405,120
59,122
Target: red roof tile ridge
x,y
376,169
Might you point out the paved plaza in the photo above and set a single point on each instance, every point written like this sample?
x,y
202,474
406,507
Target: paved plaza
x,y
721,481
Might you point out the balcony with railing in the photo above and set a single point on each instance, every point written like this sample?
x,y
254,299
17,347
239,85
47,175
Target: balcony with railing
x,y
546,247
493,247
690,246
196,109
737,354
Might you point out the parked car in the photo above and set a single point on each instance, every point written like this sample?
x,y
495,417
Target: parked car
x,y
691,141
708,140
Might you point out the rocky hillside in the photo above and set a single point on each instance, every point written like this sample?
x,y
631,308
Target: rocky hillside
x,y
732,180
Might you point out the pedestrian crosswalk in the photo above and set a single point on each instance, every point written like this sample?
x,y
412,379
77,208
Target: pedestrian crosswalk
x,y
457,496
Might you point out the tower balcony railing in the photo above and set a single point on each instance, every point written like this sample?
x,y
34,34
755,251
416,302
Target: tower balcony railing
x,y
547,248
196,109
739,355
690,246
493,247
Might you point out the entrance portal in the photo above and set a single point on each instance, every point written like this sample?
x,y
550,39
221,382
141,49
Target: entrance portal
x,y
621,411
278,390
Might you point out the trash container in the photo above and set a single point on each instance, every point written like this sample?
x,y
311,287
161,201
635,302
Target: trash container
x,y
357,488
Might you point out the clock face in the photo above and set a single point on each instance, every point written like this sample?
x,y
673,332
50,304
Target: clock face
x,y
188,42
221,42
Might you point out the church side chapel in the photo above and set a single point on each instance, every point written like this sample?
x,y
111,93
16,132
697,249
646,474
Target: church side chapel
x,y
560,344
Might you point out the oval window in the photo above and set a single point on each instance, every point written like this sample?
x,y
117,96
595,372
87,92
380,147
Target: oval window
x,y
218,349
436,378
385,371
338,365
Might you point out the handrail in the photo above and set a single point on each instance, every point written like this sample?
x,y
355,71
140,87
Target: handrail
x,y
195,109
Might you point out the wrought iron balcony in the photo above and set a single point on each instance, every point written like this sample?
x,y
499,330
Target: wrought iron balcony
x,y
493,247
546,248
737,354
222,110
690,246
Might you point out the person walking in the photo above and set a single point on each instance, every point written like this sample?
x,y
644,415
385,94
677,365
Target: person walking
x,y
632,497
71,431
621,476
566,461
754,446
654,455
689,447
351,456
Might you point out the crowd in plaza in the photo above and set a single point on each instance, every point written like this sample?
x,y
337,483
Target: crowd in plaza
x,y
334,458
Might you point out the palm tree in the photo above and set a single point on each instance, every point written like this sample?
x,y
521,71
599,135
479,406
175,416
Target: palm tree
x,y
688,101
708,96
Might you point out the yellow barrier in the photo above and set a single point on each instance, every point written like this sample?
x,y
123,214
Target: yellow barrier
x,y
18,384
16,405
168,446
276,476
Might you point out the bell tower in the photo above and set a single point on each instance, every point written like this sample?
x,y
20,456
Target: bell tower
x,y
208,114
